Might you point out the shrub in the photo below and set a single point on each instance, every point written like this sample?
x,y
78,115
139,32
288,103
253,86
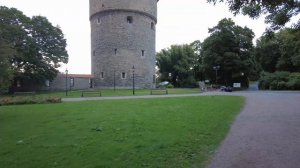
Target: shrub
x,y
294,81
170,86
279,80
20,100
265,81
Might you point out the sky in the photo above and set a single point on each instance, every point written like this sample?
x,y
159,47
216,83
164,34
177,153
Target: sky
x,y
179,22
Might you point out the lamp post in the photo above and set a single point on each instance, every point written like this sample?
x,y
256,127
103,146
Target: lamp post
x,y
133,80
114,79
216,68
66,82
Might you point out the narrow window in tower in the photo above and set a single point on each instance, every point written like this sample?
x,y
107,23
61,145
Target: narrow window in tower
x,y
116,51
103,5
94,53
102,75
123,75
99,20
152,26
129,19
143,53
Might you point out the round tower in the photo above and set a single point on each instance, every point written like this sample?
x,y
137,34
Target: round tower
x,y
123,42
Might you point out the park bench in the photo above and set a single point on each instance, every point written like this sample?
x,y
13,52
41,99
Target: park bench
x,y
159,91
91,92
24,93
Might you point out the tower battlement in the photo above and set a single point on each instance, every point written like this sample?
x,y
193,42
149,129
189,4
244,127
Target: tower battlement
x,y
144,6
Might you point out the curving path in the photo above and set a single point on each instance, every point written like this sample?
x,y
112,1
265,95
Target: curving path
x,y
265,135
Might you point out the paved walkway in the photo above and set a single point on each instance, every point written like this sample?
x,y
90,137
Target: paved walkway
x,y
265,135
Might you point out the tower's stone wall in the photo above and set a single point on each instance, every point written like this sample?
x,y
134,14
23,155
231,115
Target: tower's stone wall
x,y
123,36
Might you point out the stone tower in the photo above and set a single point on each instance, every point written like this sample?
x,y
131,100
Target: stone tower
x,y
123,37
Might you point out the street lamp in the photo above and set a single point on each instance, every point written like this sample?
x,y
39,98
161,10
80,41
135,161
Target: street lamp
x,y
133,79
114,79
216,68
66,82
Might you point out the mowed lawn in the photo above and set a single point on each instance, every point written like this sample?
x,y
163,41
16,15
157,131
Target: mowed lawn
x,y
167,132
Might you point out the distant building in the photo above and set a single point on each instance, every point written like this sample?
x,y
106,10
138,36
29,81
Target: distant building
x,y
71,81
60,82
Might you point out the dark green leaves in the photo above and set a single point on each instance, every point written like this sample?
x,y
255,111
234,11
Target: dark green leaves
x,y
278,12
176,64
228,46
38,46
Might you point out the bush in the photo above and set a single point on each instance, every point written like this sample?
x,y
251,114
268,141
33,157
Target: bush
x,y
265,81
280,80
170,86
21,100
294,81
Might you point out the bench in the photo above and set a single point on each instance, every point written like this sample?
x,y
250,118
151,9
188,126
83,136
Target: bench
x,y
158,91
90,92
24,93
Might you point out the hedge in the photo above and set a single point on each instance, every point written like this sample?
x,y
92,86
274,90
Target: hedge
x,y
280,80
20,100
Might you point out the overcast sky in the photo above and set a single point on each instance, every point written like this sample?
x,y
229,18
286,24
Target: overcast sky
x,y
179,22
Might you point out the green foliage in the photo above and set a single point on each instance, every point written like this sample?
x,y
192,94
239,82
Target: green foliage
x,y
179,61
169,133
280,80
279,52
21,100
198,67
39,47
230,47
267,53
6,72
278,12
290,50
170,86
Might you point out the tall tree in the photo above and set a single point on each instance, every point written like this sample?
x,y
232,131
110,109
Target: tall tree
x,y
267,53
176,65
40,47
228,46
198,68
6,73
289,60
279,12
279,52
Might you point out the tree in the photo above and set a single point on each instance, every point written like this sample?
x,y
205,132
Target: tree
x,y
178,61
278,12
230,47
279,52
40,47
198,68
267,53
6,73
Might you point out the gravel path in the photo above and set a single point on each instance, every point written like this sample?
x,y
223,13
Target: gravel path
x,y
265,135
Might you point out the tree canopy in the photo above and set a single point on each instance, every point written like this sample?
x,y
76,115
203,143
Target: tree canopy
x,y
176,65
38,46
281,52
278,12
6,73
230,47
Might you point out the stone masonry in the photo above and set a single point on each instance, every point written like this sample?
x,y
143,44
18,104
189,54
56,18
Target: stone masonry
x,y
123,37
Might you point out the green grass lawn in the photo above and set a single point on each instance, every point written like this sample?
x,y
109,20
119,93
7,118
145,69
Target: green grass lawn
x,y
119,92
169,132
107,93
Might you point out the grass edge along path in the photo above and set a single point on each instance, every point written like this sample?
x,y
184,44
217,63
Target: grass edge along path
x,y
169,132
